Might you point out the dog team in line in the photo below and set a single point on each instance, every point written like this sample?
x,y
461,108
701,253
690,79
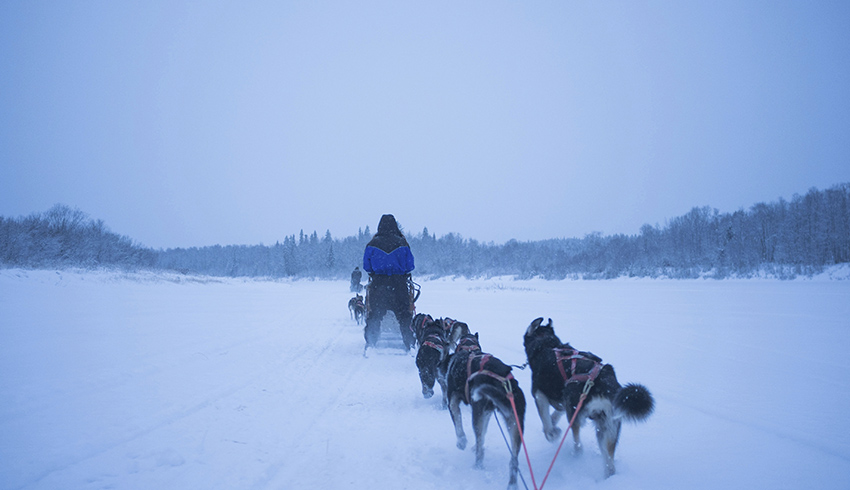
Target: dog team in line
x,y
570,382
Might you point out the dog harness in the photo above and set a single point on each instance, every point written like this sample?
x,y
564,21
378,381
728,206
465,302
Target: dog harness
x,y
505,380
417,328
447,324
468,345
434,341
572,355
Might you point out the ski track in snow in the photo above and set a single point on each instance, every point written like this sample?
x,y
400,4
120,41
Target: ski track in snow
x,y
139,381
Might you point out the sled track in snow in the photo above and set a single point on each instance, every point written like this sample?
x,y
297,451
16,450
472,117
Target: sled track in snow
x,y
211,398
319,401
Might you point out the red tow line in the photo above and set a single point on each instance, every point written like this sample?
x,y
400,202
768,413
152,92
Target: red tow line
x,y
588,384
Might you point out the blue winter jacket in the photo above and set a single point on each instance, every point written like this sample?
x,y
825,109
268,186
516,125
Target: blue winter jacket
x,y
388,253
399,261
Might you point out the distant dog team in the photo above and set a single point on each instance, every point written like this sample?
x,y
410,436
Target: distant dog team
x,y
357,308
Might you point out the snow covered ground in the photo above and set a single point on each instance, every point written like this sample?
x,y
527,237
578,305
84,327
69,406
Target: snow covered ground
x,y
145,381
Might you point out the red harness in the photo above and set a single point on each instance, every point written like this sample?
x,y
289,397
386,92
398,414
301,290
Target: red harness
x,y
468,346
438,345
416,328
505,380
566,354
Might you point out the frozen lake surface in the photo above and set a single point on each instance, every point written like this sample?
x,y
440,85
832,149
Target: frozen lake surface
x,y
159,381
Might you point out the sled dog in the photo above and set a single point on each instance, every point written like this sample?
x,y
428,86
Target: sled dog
x,y
357,308
485,383
560,373
436,339
453,331
433,349
417,325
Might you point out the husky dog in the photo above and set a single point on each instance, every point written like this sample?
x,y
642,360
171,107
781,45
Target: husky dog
x,y
560,373
433,349
454,330
417,325
357,308
436,341
486,383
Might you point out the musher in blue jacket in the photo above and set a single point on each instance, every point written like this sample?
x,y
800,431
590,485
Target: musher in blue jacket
x,y
388,261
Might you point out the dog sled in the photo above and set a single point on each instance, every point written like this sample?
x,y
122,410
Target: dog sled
x,y
385,332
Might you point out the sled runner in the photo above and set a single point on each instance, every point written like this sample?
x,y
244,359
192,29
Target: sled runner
x,y
390,341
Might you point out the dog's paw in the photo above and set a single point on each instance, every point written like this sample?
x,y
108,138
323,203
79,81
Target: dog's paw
x,y
427,392
553,434
578,450
461,443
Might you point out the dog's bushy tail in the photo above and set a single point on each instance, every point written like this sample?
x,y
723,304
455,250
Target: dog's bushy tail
x,y
497,396
634,402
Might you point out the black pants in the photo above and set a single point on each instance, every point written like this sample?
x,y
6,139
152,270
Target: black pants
x,y
389,293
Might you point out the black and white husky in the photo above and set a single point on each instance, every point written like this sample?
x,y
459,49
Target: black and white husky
x,y
485,383
559,374
357,308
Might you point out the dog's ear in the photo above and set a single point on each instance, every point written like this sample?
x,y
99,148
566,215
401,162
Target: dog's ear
x,y
459,329
476,335
536,323
549,324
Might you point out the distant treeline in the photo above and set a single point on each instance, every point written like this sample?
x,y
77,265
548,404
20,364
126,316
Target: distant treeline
x,y
783,238
65,237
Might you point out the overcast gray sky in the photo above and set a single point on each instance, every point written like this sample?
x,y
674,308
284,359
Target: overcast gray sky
x,y
200,123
